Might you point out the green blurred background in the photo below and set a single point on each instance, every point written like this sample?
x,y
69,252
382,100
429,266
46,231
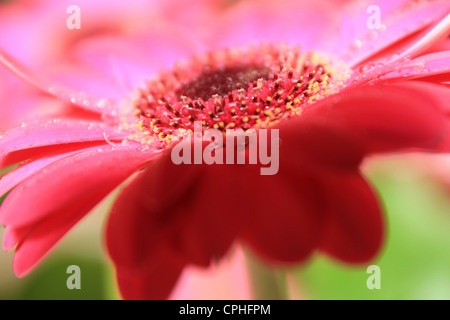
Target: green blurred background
x,y
415,262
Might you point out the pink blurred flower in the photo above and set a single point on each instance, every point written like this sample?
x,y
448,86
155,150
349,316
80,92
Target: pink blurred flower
x,y
224,281
374,91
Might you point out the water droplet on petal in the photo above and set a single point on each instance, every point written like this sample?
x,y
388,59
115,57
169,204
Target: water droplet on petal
x,y
362,69
102,103
357,44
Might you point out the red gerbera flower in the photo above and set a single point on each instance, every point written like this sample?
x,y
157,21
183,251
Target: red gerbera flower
x,y
373,91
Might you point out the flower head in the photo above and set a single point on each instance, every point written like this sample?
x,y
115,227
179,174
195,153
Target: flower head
x,y
335,93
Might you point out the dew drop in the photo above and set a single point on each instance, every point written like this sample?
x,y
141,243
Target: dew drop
x,y
357,44
363,69
102,103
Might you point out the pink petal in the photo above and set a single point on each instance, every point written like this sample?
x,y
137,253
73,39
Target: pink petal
x,y
21,143
401,19
433,66
354,229
38,240
59,184
20,102
440,46
99,104
24,171
37,225
10,239
100,63
297,22
23,103
126,59
437,33
230,275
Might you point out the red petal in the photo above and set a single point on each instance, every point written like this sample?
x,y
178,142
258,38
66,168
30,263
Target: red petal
x,y
354,229
155,282
281,215
386,118
169,203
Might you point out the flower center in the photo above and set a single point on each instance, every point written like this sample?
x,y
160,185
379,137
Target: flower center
x,y
221,82
233,89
